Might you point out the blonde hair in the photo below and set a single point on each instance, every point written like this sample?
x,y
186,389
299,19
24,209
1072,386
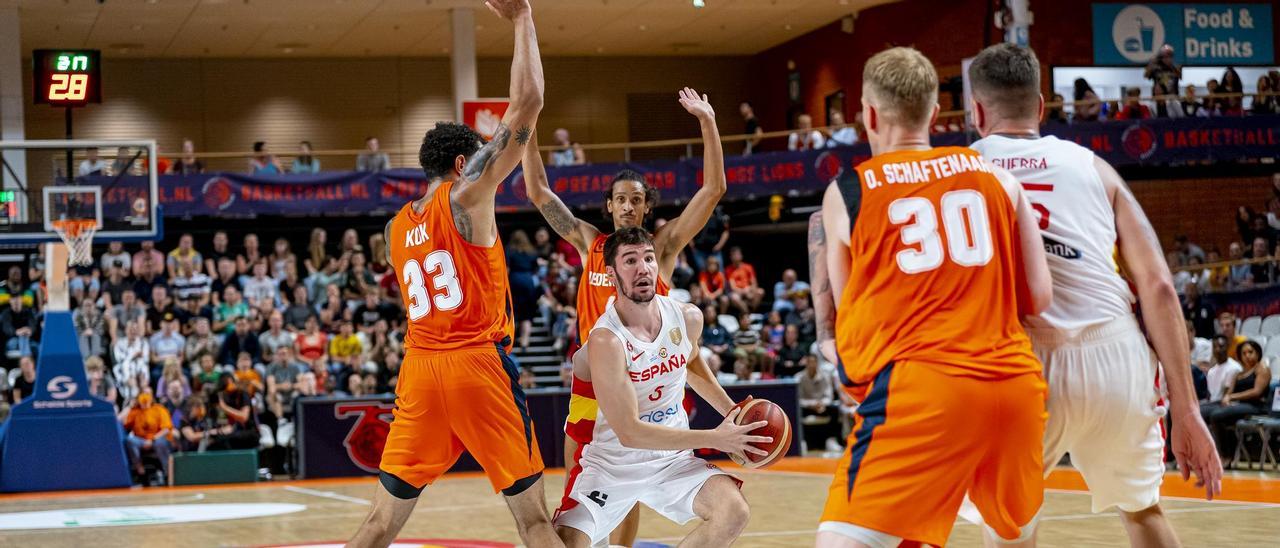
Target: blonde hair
x,y
93,363
902,84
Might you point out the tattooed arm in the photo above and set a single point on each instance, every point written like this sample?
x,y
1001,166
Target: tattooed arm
x,y
472,198
824,304
574,230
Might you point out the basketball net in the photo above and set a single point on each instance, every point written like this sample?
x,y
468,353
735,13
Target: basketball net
x,y
77,234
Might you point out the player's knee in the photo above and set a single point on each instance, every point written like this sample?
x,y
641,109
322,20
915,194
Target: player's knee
x,y
733,514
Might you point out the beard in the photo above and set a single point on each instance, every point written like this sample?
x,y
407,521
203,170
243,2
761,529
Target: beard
x,y
638,294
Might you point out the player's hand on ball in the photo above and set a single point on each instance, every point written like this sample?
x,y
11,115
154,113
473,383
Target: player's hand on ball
x,y
735,438
697,105
507,9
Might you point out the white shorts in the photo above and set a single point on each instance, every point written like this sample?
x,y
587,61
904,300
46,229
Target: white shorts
x,y
601,496
1105,409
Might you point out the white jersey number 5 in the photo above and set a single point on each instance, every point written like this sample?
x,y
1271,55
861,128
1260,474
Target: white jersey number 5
x,y
964,218
448,292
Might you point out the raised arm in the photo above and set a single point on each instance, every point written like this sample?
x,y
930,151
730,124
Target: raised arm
x,y
1162,315
677,234
490,165
572,229
824,301
617,400
701,377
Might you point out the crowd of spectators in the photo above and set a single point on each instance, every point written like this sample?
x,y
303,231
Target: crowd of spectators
x,y
1223,97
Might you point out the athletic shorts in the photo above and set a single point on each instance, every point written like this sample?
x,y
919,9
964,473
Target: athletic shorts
x,y
1105,409
598,496
460,399
923,438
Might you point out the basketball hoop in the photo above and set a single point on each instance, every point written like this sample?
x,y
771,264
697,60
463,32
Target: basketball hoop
x,y
77,234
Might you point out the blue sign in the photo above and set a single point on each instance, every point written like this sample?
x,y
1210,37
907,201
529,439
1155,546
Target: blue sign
x,y
1200,34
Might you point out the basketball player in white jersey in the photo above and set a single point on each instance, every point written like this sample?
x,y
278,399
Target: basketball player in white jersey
x,y
1105,401
642,352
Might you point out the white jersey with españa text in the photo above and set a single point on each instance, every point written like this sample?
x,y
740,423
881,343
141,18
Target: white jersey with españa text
x,y
657,370
1078,224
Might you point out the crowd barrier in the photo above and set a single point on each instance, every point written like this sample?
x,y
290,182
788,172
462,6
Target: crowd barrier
x,y
344,436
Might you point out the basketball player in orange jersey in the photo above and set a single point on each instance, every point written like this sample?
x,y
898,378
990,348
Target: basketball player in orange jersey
x,y
628,202
934,254
457,388
1104,404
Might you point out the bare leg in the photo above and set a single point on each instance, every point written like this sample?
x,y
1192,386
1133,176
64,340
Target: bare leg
x,y
625,534
573,538
529,508
1149,528
384,521
827,539
724,512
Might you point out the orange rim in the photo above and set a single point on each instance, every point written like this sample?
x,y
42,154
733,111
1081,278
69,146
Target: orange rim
x,y
73,227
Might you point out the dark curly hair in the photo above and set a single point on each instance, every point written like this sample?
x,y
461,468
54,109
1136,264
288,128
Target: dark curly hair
x,y
632,235
650,193
445,143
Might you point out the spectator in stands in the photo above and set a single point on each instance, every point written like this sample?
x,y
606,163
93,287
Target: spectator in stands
x,y
1245,395
91,327
201,341
1167,103
1213,102
802,316
207,374
221,249
357,281
1186,249
1264,103
332,309
275,337
522,272
1192,106
233,307
305,163
1221,373
285,287
1241,274
712,283
805,137
148,258
196,431
744,289
298,311
167,344
378,264
1261,273
344,345
1087,106
188,164
282,382
1232,86
785,290
144,284
1054,113
752,128
1132,109
124,162
184,252
191,287
711,239
717,344
259,289
115,252
841,134
683,276
240,339
317,254
819,410
128,311
281,258
773,332
1201,358
372,160
1199,312
159,306
263,162
12,286
247,376
567,152
791,355
1162,71
248,255
19,329
372,310
84,285
1261,229
751,360
150,428
101,385
92,164
131,354
115,285
170,372
1227,328
25,383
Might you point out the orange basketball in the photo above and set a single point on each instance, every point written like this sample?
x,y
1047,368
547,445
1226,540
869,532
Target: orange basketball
x,y
779,428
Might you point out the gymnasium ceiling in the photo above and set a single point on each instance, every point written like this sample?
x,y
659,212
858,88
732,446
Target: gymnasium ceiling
x,y
356,28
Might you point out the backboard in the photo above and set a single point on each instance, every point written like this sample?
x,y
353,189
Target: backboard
x,y
115,182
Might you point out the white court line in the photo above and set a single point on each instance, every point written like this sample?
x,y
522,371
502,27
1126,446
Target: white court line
x,y
326,494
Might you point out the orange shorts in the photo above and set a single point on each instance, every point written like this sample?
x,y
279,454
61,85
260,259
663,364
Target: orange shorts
x,y
923,438
461,399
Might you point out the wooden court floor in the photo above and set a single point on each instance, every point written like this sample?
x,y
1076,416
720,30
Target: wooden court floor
x,y
785,502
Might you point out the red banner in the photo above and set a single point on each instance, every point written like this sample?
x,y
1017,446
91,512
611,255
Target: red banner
x,y
483,115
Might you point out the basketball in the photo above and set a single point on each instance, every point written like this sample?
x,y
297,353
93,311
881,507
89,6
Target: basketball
x,y
779,428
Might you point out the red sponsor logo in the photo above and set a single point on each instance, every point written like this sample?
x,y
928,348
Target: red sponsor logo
x,y
365,440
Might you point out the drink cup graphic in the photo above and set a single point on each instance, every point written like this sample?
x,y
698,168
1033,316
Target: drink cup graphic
x,y
1148,34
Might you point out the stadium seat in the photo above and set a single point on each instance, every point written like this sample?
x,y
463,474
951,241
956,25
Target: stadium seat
x,y
1271,325
13,375
1260,339
1271,350
729,323
679,295
1251,326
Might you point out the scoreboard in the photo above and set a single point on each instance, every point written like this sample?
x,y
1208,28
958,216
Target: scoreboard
x,y
67,78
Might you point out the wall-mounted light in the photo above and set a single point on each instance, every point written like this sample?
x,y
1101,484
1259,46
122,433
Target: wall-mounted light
x,y
699,3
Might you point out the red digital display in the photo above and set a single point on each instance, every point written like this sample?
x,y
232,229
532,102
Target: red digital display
x,y
67,78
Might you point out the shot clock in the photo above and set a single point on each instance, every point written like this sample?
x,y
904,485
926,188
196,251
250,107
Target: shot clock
x,y
67,78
